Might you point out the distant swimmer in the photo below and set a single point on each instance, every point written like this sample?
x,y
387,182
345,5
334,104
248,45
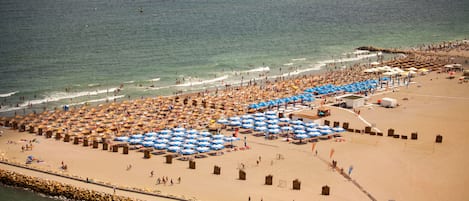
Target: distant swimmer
x,y
140,10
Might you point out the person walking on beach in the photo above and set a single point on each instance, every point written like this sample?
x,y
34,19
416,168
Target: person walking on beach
x,y
350,170
151,173
179,180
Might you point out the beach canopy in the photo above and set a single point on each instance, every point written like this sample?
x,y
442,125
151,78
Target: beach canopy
x,y
174,149
219,141
205,133
162,141
203,144
187,152
160,146
301,136
148,144
217,146
190,141
202,149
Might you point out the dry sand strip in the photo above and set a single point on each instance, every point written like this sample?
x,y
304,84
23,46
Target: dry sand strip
x,y
84,184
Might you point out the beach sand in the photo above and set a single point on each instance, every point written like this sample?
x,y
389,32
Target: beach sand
x,y
385,167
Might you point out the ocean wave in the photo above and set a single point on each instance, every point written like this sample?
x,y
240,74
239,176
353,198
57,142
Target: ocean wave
x,y
108,98
288,64
94,84
64,95
358,57
8,94
299,59
358,52
154,79
201,82
313,67
260,69
129,82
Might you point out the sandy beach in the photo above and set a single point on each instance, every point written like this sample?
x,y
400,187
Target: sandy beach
x,y
387,168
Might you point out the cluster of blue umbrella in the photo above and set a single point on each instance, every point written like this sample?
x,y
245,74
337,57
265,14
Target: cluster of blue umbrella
x,y
179,140
270,124
350,88
306,97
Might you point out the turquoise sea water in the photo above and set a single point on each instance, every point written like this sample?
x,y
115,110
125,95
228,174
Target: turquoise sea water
x,y
70,52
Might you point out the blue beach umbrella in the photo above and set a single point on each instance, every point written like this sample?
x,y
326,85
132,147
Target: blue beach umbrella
x,y
223,121
271,117
297,122
235,123
300,132
202,149
286,128
234,119
298,127
271,113
151,134
311,125
178,139
230,139
205,133
164,136
258,115
218,136
284,119
247,121
219,141
203,139
247,116
121,139
258,119
190,141
188,146
166,131
273,126
148,143
314,134
162,141
149,138
135,141
301,136
325,131
178,134
175,143
160,146
174,149
187,152
338,129
260,128
203,144
312,129
260,123
274,131
192,132
272,121
137,136
217,146
179,129
247,126
192,136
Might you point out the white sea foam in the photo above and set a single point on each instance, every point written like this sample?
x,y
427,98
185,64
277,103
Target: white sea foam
x,y
109,98
8,94
288,64
313,67
93,84
129,82
299,59
260,69
64,95
201,82
154,79
357,52
358,57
